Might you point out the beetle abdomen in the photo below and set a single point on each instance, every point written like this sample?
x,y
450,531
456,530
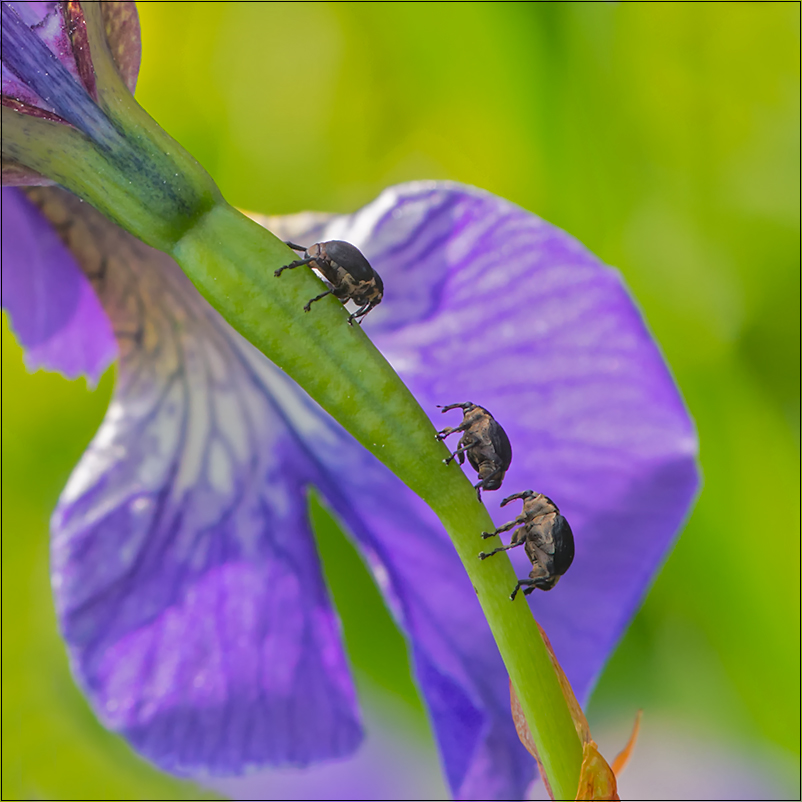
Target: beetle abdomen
x,y
349,257
563,545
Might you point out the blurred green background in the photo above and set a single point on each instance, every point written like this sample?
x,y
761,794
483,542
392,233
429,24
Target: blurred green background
x,y
666,138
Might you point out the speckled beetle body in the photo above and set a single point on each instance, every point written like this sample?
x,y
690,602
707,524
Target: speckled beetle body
x,y
485,443
348,273
546,537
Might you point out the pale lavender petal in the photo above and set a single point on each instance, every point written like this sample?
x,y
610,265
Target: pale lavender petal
x,y
186,579
487,303
414,563
53,307
392,763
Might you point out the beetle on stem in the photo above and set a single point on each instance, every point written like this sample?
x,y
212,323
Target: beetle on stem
x,y
546,537
485,442
348,274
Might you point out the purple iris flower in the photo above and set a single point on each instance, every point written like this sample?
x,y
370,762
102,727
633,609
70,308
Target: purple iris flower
x,y
187,585
186,580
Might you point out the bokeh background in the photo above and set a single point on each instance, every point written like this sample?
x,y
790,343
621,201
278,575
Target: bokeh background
x,y
665,136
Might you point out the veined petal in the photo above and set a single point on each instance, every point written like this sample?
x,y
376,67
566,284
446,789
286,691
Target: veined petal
x,y
186,580
146,549
488,303
53,308
456,661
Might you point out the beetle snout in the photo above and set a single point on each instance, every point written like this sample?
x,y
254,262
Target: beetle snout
x,y
493,483
547,583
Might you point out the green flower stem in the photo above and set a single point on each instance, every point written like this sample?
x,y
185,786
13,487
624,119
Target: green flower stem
x,y
125,164
143,180
135,174
231,261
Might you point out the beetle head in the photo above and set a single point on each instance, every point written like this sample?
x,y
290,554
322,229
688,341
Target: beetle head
x,y
467,406
546,582
317,251
524,494
490,475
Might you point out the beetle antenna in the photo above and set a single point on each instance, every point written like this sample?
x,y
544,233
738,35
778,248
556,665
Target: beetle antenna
x,y
514,496
464,405
294,246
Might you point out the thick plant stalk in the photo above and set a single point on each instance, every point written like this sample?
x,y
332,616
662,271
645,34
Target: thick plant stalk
x,y
231,261
106,149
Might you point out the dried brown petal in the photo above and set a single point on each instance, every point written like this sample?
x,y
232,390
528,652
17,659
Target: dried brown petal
x,y
122,31
597,780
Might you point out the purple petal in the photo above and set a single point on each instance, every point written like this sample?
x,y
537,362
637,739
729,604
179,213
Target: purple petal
x,y
52,22
53,308
388,765
46,18
187,584
61,33
487,303
182,537
30,62
457,664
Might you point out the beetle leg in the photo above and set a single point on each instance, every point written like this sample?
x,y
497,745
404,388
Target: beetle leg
x,y
522,583
485,554
460,452
487,478
451,429
341,292
360,313
291,265
316,298
443,433
505,528
481,484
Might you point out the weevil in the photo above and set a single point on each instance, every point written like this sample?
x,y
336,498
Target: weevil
x,y
348,274
546,537
485,442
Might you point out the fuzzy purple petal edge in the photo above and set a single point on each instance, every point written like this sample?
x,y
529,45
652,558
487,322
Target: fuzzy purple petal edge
x,y
53,307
